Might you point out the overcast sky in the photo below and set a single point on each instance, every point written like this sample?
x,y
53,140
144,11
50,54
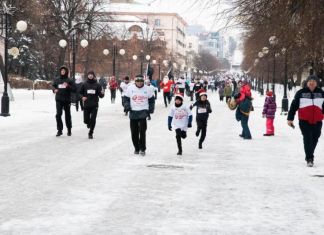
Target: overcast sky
x,y
196,12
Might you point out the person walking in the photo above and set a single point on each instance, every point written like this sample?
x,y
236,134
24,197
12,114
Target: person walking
x,y
113,86
139,102
63,86
90,91
309,102
202,113
269,111
228,91
180,118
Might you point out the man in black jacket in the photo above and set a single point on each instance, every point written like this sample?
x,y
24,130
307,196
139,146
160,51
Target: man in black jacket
x,y
62,87
309,102
90,91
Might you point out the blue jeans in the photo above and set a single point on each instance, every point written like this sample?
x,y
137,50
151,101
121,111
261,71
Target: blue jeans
x,y
246,134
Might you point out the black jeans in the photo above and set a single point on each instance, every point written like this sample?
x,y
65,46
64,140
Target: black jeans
x,y
90,117
77,104
246,134
138,130
201,127
59,111
166,96
311,134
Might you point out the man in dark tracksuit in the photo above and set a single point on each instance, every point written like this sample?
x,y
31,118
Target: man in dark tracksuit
x,y
62,87
139,102
309,102
90,91
202,114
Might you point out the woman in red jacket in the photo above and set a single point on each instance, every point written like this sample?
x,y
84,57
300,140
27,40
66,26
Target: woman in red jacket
x,y
113,86
166,86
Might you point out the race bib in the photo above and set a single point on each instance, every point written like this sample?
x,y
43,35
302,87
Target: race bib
x,y
91,92
202,110
61,86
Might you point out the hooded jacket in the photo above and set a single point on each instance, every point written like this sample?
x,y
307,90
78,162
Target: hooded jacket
x,y
269,107
64,92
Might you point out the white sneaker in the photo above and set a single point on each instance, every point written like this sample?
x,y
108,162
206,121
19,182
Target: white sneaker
x,y
142,153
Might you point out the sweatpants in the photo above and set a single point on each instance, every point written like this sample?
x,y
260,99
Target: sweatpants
x,y
311,134
166,97
60,106
201,127
90,117
180,134
270,126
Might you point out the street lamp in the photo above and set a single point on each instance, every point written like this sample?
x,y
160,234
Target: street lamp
x,y
265,51
7,11
285,102
261,55
114,52
273,40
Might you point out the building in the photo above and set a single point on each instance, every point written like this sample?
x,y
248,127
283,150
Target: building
x,y
216,43
168,26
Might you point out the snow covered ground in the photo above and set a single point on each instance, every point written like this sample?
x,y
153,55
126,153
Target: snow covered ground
x,y
73,185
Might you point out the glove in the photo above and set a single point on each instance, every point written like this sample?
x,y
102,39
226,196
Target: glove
x,y
190,107
189,125
170,128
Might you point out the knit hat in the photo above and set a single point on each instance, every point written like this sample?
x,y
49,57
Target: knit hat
x,y
179,96
312,77
203,92
269,93
92,72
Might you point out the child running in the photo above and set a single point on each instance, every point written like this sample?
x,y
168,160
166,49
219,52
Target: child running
x,y
202,114
181,119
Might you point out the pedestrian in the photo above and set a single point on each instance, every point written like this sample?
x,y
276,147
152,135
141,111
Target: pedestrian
x,y
123,89
154,91
91,90
63,86
228,91
180,119
78,100
139,101
202,113
197,87
113,86
103,83
221,92
166,86
269,111
309,102
244,107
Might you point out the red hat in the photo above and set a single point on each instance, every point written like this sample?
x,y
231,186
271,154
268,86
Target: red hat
x,y
178,95
202,92
269,93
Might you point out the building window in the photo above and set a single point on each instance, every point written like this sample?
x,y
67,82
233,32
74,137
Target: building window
x,y
157,22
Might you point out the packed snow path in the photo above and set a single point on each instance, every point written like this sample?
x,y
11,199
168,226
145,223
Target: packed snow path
x,y
73,185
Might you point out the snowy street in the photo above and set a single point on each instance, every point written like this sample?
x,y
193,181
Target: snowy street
x,y
73,185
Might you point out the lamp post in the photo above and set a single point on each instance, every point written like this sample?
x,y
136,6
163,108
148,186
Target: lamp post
x,y
115,54
21,27
265,51
63,43
261,55
273,40
285,102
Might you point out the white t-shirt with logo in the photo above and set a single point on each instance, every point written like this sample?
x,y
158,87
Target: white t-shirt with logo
x,y
139,97
180,117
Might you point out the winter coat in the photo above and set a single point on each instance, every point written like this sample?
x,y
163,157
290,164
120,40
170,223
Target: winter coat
x,y
244,108
92,90
221,91
166,86
203,110
103,83
228,91
310,105
197,87
113,85
269,107
64,92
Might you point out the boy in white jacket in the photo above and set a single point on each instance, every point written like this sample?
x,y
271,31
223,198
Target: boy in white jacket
x,y
180,118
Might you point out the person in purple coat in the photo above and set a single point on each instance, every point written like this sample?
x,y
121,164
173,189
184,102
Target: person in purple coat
x,y
269,111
